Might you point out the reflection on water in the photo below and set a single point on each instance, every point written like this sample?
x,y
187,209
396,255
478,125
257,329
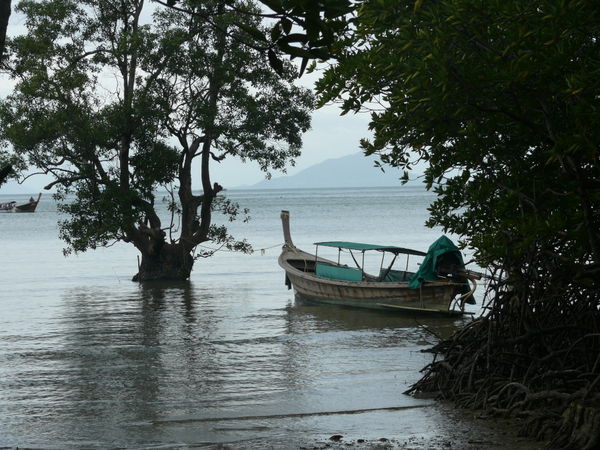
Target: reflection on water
x,y
147,361
336,317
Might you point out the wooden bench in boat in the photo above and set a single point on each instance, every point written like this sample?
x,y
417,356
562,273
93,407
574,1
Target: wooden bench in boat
x,y
352,274
338,273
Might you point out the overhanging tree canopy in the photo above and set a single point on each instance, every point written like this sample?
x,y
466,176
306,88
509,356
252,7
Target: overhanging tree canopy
x,y
5,10
304,29
500,100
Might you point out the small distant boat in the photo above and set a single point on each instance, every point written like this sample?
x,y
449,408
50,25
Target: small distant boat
x,y
30,206
440,285
7,206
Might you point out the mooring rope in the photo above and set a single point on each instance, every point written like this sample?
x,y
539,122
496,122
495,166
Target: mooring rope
x,y
262,250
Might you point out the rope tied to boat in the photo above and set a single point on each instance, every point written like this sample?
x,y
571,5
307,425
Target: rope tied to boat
x,y
262,250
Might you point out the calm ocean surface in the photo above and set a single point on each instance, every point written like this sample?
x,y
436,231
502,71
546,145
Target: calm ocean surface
x,y
90,359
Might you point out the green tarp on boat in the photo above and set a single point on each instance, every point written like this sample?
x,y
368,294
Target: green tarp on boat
x,y
443,247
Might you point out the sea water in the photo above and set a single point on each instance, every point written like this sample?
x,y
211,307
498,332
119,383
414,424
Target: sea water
x,y
89,358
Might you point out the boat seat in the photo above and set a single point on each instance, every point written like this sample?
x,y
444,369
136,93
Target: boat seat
x,y
338,273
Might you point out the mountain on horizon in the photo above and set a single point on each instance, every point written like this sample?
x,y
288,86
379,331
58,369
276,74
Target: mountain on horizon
x,y
350,171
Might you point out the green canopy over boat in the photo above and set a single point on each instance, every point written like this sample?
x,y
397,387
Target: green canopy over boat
x,y
365,247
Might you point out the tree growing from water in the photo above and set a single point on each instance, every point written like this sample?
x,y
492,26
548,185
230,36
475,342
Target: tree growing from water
x,y
116,103
500,100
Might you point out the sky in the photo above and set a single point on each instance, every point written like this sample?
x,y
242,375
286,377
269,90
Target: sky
x,y
331,136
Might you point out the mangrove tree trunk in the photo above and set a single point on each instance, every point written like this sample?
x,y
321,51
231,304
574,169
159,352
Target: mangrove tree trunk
x,y
168,262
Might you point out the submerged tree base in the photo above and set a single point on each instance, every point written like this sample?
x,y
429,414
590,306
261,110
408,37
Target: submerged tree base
x,y
170,263
535,361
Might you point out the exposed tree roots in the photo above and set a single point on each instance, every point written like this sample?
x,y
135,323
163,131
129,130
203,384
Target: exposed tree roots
x,y
535,356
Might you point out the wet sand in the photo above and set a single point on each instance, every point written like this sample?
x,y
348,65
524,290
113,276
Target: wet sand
x,y
454,428
461,429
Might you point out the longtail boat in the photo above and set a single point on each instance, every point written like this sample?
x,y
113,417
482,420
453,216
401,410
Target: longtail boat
x,y
7,206
441,285
29,206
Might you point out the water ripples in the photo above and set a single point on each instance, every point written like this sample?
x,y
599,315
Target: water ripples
x,y
90,359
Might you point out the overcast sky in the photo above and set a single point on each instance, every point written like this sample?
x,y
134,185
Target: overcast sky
x,y
331,136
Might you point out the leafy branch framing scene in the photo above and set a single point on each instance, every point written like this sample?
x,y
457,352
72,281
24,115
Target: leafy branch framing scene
x,y
500,101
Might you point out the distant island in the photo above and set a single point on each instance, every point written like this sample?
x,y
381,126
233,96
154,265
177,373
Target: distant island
x,y
349,171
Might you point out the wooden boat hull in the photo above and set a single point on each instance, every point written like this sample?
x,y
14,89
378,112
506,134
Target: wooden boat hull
x,y
28,207
434,300
433,297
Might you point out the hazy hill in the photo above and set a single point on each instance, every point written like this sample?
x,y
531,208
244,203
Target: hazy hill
x,y
349,171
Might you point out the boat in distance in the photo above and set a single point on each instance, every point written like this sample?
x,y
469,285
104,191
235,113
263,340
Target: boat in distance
x,y
440,286
7,206
30,206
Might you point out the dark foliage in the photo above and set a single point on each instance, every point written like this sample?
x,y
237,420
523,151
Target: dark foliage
x,y
499,100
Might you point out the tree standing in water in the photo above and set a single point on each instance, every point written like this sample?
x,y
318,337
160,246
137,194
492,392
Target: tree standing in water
x,y
115,105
